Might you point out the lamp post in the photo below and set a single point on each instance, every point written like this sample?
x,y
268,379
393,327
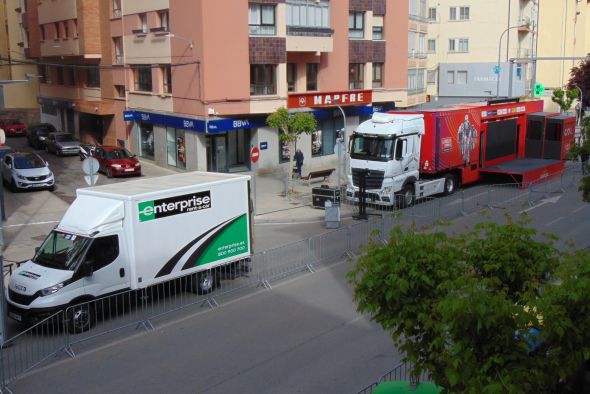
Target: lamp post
x,y
187,40
339,145
499,55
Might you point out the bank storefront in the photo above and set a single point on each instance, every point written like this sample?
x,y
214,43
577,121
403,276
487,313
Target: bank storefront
x,y
223,144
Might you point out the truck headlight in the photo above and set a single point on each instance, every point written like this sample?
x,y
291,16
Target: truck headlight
x,y
52,289
386,190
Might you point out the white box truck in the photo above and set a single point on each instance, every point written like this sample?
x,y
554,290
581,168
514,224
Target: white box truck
x,y
135,234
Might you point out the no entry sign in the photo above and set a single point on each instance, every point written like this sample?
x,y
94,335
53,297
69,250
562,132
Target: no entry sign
x,y
254,154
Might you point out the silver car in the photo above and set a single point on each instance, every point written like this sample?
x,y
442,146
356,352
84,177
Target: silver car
x,y
26,171
62,144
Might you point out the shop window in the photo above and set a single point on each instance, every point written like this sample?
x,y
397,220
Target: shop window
x,y
312,76
262,79
324,139
291,76
176,146
146,141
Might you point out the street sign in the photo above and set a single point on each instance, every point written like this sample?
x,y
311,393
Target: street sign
x,y
539,89
90,166
254,154
91,179
497,69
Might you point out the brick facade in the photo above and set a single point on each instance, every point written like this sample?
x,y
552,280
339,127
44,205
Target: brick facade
x,y
361,5
360,51
379,7
268,50
378,52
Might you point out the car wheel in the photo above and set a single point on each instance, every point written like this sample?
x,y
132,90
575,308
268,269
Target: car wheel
x,y
109,173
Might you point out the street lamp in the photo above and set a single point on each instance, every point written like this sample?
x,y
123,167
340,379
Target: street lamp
x,y
340,143
500,54
188,40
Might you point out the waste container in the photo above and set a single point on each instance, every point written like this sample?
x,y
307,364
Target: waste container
x,y
332,214
319,195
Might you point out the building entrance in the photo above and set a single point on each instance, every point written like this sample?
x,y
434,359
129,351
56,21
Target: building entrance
x,y
228,152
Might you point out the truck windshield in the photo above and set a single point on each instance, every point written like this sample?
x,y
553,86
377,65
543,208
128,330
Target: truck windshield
x,y
61,250
372,147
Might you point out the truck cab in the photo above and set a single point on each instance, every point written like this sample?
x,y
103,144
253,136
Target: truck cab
x,y
385,150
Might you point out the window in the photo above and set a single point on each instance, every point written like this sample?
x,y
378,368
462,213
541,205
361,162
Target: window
x,y
453,13
92,77
69,76
166,79
421,44
451,45
464,13
324,138
176,146
461,77
43,74
74,28
291,76
120,91
356,25
262,79
261,19
103,251
463,45
356,76
431,45
116,8
118,45
143,26
420,76
308,13
66,30
146,141
163,17
377,27
311,76
451,77
412,83
431,77
57,30
417,8
432,14
142,76
42,32
411,43
60,75
377,75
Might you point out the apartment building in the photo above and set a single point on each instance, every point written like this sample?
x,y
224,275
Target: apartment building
x,y
564,32
189,83
16,99
465,39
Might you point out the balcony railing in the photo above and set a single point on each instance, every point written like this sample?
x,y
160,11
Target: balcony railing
x,y
309,31
417,55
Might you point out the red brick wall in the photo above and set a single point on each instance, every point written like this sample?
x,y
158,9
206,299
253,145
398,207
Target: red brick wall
x,y
267,50
89,26
361,5
360,51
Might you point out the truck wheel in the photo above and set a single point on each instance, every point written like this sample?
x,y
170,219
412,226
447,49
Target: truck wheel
x,y
450,184
206,282
80,318
405,198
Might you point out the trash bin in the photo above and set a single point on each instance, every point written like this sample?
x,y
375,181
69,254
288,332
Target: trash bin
x,y
332,214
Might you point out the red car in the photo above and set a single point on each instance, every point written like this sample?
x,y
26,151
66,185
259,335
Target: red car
x,y
12,127
116,161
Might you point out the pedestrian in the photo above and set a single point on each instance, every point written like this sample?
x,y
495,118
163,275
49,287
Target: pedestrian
x,y
298,162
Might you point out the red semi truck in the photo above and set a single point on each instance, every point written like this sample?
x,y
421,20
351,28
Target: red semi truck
x,y
402,155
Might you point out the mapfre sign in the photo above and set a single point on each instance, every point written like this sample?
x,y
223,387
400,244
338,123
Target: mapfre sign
x,y
316,100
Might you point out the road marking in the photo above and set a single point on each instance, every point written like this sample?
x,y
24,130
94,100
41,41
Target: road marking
x,y
468,198
544,201
31,224
555,221
579,209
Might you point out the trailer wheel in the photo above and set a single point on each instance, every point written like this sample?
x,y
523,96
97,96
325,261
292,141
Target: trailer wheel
x,y
405,198
80,318
450,184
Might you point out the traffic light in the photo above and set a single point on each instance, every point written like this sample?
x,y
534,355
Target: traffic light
x,y
538,90
427,98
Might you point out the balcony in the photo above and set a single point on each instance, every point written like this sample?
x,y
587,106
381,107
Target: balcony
x,y
61,10
309,39
65,47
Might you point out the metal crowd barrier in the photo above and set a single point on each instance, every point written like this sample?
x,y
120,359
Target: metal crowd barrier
x,y
402,372
92,321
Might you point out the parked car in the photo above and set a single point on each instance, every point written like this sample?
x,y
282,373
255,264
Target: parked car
x,y
13,127
37,134
26,171
116,161
62,144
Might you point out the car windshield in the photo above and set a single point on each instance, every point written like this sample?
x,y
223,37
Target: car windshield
x,y
372,147
44,130
28,161
64,137
119,154
61,250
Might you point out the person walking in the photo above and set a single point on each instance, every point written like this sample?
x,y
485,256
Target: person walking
x,y
298,162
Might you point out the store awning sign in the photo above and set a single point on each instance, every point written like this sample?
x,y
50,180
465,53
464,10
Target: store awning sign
x,y
328,99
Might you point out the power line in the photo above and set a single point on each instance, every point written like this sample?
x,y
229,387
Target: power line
x,y
16,62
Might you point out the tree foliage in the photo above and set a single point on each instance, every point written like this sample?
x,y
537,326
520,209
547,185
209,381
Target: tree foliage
x,y
581,149
580,76
454,305
565,98
291,126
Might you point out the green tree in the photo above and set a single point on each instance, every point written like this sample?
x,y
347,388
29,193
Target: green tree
x,y
580,77
291,126
564,98
453,305
581,150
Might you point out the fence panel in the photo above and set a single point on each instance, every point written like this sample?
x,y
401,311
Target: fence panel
x,y
32,347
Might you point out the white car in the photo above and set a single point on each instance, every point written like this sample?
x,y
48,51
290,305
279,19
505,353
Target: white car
x,y
26,171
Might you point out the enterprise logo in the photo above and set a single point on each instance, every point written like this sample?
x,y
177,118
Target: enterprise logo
x,y
155,209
